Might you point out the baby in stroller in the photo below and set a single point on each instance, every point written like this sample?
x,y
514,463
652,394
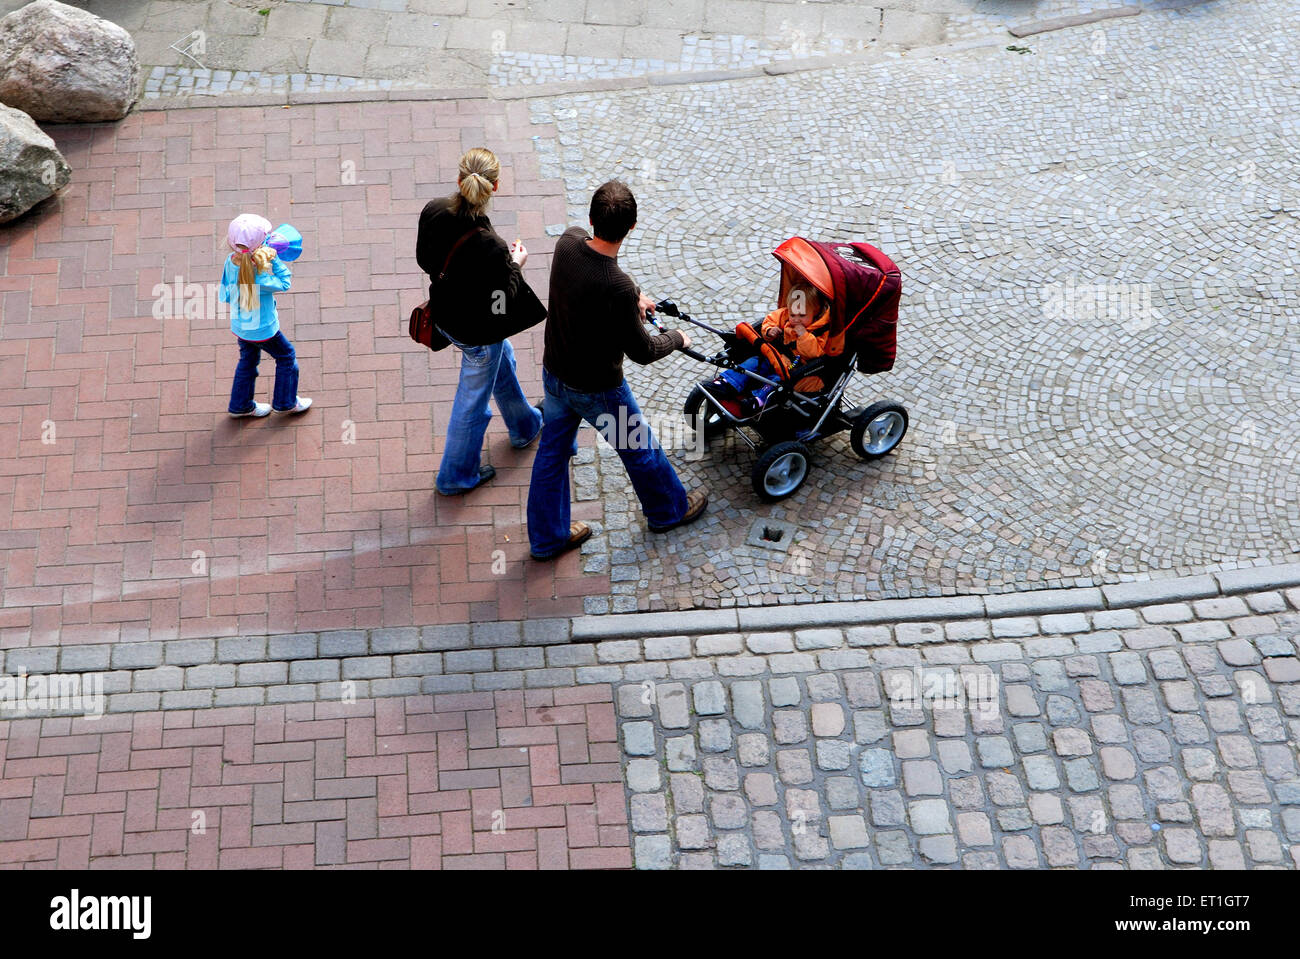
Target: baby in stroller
x,y
795,333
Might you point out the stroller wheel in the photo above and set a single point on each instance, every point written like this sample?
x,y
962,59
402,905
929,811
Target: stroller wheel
x,y
701,415
781,470
878,429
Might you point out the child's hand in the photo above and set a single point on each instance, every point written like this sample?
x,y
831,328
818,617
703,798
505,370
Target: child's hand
x,y
773,334
798,328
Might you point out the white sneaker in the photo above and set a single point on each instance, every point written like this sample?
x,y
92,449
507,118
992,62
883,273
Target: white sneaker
x,y
259,409
304,403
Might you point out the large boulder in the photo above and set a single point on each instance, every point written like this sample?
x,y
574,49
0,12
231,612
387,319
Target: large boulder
x,y
64,65
31,167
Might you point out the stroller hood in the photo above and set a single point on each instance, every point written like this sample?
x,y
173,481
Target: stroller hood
x,y
863,286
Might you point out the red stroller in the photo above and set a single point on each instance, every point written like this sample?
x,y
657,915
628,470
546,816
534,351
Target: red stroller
x,y
862,287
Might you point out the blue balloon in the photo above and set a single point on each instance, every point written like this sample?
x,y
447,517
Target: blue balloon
x,y
286,241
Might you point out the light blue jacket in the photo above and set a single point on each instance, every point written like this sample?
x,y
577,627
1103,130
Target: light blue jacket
x,y
261,322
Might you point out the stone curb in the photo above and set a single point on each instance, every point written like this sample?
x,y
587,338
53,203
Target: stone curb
x,y
1119,595
1255,578
530,91
1035,27
1077,600
854,614
681,77
1148,592
200,101
408,661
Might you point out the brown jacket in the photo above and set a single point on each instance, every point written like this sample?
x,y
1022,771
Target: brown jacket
x,y
594,321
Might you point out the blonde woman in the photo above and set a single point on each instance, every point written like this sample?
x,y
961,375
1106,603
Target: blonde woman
x,y
479,297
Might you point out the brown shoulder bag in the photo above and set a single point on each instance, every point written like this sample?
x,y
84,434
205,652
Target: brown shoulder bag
x,y
421,326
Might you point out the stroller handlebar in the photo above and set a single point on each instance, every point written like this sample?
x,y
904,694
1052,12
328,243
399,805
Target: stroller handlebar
x,y
669,308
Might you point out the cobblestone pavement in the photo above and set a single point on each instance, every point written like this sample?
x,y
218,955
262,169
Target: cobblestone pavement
x,y
133,508
463,781
243,46
1095,344
1160,737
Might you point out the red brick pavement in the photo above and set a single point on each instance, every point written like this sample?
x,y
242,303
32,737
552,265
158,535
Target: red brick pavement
x,y
506,780
117,461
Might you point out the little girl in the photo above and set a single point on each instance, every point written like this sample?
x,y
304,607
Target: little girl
x,y
252,275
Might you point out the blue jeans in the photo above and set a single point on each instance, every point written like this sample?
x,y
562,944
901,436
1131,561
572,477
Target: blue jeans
x,y
285,395
744,384
663,500
485,371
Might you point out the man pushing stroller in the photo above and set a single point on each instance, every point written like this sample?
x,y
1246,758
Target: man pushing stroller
x,y
595,320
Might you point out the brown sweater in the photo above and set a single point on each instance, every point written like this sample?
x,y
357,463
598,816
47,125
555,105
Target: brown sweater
x,y
592,320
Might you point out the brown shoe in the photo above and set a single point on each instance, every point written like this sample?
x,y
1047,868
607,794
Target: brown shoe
x,y
579,533
697,500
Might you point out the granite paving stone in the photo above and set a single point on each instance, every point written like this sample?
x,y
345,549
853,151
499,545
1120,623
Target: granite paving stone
x,y
994,751
887,808
929,817
921,777
753,749
833,754
761,789
715,735
789,726
680,753
955,757
842,793
877,767
721,773
794,766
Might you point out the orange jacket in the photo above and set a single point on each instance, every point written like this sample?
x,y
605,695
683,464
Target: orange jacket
x,y
816,340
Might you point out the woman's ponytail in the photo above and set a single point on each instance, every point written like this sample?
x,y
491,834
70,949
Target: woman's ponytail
x,y
478,174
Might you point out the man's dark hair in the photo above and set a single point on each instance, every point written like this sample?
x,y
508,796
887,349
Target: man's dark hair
x,y
613,211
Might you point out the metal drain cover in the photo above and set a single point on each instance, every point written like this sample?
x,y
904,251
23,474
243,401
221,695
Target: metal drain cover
x,y
771,534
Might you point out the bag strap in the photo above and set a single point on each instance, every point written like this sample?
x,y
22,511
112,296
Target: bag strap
x,y
456,246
